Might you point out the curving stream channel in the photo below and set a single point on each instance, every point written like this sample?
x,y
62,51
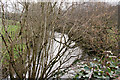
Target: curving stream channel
x,y
72,53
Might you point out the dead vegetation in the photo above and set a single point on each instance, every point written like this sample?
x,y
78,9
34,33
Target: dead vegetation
x,y
91,27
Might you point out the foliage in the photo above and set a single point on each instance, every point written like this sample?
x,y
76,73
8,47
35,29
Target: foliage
x,y
105,67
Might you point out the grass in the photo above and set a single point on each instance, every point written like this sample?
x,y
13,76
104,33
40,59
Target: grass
x,y
12,31
11,28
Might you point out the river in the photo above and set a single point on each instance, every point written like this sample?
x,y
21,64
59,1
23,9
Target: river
x,y
74,53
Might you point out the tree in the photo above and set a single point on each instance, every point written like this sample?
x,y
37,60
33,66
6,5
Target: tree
x,y
30,49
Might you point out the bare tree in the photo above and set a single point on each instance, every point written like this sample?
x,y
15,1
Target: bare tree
x,y
35,49
31,51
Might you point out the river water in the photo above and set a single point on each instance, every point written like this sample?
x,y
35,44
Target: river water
x,y
75,52
72,53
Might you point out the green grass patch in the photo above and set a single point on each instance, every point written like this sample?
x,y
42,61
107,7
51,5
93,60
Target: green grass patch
x,y
12,31
18,49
